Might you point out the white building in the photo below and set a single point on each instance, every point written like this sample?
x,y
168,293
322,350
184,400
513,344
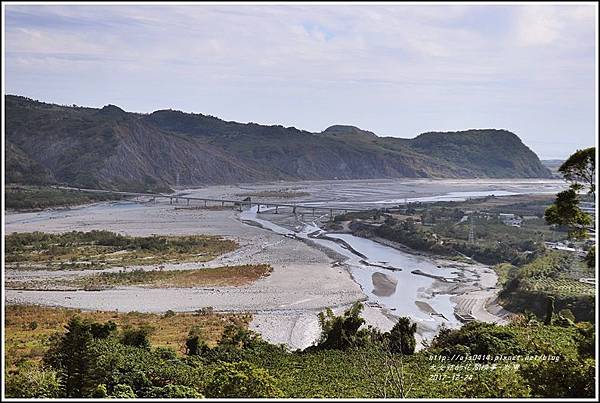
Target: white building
x,y
510,219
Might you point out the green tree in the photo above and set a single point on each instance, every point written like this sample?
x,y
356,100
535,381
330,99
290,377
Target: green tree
x,y
402,337
344,331
70,354
236,337
580,169
242,379
566,212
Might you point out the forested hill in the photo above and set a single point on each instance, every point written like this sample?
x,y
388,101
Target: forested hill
x,y
111,148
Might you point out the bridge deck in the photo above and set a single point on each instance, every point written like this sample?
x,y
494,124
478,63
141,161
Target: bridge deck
x,y
232,201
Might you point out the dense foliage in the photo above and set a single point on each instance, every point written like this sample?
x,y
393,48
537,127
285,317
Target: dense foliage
x,y
42,197
496,242
76,249
99,360
552,275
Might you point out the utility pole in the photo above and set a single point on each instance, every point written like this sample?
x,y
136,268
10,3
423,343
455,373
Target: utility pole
x,y
471,230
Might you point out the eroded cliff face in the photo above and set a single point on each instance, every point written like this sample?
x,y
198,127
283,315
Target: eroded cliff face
x,y
111,148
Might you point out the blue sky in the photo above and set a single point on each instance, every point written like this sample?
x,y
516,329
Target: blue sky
x,y
394,69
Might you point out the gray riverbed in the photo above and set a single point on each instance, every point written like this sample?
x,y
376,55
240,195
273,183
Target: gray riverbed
x,y
304,281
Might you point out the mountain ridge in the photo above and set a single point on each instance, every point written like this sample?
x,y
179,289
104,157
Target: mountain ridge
x,y
114,149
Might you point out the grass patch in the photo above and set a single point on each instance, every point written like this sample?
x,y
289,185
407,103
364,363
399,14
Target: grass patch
x,y
95,249
216,277
29,329
219,276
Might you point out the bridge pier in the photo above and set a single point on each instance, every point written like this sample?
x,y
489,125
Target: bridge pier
x,y
241,205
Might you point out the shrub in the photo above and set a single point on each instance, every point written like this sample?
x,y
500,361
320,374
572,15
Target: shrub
x,y
479,338
113,363
123,392
568,377
195,343
242,379
173,391
32,382
165,353
502,384
100,392
586,339
138,337
236,337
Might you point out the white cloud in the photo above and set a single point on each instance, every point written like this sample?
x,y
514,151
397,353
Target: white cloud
x,y
538,25
448,59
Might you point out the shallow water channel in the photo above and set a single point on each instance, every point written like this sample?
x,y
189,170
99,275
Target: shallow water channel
x,y
385,274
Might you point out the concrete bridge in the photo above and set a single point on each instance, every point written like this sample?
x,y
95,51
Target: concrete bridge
x,y
296,208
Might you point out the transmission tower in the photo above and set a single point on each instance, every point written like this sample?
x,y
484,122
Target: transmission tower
x,y
471,230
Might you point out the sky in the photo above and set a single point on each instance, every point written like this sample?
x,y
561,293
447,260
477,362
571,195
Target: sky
x,y
393,69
